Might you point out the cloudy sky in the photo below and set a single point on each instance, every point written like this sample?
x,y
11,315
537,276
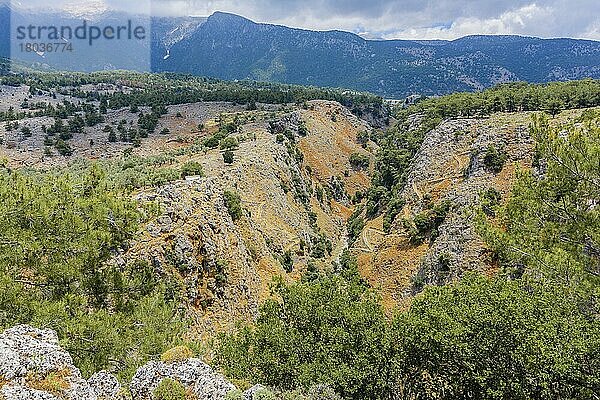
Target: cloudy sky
x,y
392,19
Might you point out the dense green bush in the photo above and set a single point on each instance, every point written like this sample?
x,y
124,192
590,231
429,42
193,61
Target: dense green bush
x,y
26,131
494,159
64,149
393,209
331,330
264,394
496,339
425,224
213,141
490,199
169,389
57,233
191,168
479,338
228,143
228,157
287,261
355,224
359,161
233,202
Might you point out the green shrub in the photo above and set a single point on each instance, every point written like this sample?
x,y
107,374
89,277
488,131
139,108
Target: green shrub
x,y
221,273
264,394
26,131
302,129
228,157
287,261
229,143
177,354
322,392
394,208
330,329
294,395
355,224
490,200
363,138
169,389
494,159
61,230
213,141
191,168
233,202
359,161
234,394
495,339
426,223
63,148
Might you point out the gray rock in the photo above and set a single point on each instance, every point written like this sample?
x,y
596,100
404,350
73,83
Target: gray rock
x,y
153,230
249,394
165,223
18,392
105,385
192,373
450,162
27,352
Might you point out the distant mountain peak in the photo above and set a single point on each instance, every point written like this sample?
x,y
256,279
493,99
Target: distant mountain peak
x,y
228,18
229,46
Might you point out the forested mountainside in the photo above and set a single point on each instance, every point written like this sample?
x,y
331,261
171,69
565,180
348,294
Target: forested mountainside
x,y
172,237
231,47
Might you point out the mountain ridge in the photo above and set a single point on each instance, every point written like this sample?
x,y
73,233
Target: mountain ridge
x,y
391,68
232,47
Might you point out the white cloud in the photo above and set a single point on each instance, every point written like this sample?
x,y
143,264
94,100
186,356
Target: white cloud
x,y
527,20
407,19
593,31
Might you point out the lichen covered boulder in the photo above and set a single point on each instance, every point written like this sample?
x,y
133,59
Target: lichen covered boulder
x,y
34,366
197,377
105,385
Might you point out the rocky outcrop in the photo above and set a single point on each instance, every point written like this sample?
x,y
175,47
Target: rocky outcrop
x,y
291,200
250,394
197,377
34,366
449,168
105,385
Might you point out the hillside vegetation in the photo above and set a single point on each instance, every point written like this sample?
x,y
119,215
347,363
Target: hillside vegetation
x,y
240,231
531,331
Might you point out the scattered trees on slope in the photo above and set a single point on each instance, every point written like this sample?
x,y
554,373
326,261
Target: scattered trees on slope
x,y
399,144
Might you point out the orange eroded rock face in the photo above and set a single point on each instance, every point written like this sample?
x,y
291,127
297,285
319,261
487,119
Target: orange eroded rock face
x,y
448,167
